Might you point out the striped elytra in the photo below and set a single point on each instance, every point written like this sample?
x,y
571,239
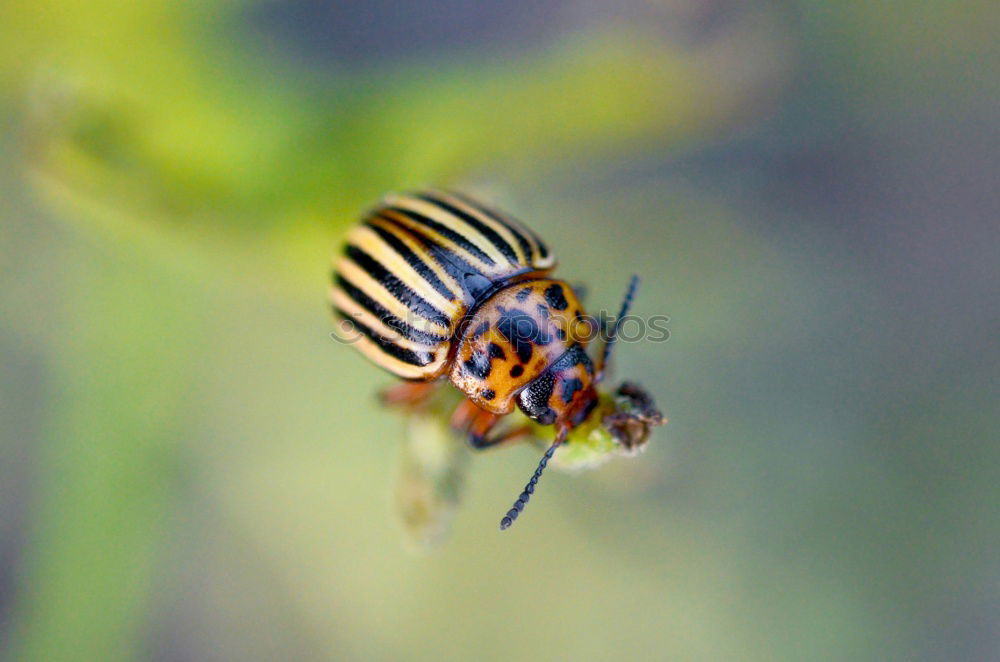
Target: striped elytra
x,y
416,265
440,287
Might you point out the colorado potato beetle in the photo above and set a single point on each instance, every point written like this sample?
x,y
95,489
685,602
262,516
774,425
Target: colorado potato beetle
x,y
440,287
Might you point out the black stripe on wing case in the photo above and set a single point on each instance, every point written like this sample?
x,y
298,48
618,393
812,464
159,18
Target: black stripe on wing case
x,y
448,259
386,317
389,347
395,286
488,232
412,259
543,250
446,232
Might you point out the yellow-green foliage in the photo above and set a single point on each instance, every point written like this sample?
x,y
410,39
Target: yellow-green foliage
x,y
190,467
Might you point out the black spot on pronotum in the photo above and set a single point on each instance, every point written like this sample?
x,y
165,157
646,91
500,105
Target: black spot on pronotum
x,y
496,351
523,294
478,365
522,332
517,371
556,297
487,394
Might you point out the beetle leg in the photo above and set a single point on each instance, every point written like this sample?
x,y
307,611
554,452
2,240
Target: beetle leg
x,y
478,424
484,441
408,394
465,414
483,432
480,428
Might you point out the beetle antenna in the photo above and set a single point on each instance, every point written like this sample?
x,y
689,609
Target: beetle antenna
x,y
613,336
529,489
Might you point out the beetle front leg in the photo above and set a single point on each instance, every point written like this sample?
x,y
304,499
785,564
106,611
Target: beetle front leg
x,y
409,394
482,442
483,432
480,426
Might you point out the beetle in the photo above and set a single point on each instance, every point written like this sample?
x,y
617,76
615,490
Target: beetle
x,y
440,287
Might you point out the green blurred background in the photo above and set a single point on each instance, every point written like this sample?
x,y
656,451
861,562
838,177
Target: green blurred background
x,y
192,470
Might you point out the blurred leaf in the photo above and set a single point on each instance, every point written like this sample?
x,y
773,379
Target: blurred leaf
x,y
194,126
122,398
